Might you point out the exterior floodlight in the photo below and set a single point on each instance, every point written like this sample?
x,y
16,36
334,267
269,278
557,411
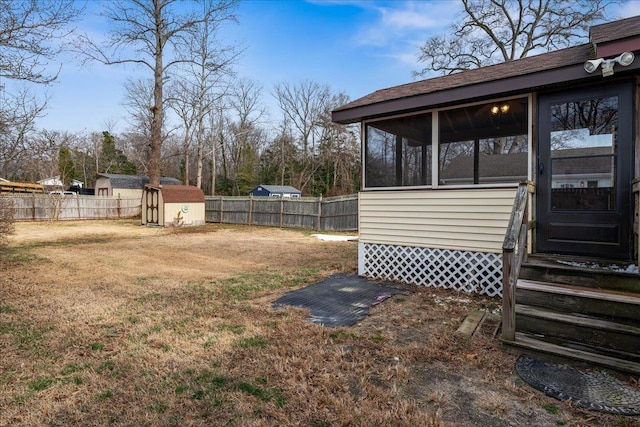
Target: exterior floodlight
x,y
592,65
624,59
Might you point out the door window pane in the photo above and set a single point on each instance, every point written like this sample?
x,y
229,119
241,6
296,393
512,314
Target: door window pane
x,y
583,154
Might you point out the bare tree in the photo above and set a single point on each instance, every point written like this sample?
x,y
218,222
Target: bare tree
x,y
302,104
182,103
18,115
138,96
339,151
324,149
203,82
155,34
247,136
493,31
30,32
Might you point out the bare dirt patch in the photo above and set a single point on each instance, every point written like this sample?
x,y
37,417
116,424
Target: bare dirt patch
x,y
112,323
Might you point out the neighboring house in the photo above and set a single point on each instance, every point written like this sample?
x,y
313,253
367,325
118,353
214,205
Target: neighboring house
x,y
125,186
55,183
275,191
443,159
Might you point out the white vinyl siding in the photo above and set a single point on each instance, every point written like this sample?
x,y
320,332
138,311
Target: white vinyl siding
x,y
468,220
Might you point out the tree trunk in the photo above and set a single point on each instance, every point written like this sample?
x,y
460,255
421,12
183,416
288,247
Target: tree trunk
x,y
200,151
157,108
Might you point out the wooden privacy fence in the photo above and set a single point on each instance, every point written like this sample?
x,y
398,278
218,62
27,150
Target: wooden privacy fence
x,y
42,207
330,214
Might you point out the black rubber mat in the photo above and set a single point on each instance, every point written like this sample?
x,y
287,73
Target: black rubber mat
x,y
596,390
339,300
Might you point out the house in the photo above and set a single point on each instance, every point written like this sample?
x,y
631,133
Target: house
x,y
173,206
275,191
55,183
125,186
453,165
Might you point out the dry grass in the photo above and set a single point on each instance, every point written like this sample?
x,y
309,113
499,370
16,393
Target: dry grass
x,y
111,323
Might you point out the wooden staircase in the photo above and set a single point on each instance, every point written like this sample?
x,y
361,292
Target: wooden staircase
x,y
584,309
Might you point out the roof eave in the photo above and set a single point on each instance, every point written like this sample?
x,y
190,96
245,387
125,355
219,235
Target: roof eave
x,y
574,73
494,88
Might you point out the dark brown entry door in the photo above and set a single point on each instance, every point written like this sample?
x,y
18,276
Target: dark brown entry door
x,y
584,172
152,202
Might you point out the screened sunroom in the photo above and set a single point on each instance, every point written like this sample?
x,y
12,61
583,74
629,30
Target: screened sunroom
x,y
443,158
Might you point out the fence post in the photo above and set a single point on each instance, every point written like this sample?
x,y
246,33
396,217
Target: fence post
x,y
281,210
320,213
78,205
221,209
33,206
118,206
250,207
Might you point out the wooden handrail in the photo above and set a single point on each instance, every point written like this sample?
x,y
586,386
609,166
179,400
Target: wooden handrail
x,y
514,251
636,216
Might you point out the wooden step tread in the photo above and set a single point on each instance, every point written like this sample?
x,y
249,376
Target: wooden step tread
x,y
583,321
532,343
577,291
578,263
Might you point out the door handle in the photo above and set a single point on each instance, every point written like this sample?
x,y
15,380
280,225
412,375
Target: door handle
x,y
540,167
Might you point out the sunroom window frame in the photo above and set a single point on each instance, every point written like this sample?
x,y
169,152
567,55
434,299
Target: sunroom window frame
x,y
435,146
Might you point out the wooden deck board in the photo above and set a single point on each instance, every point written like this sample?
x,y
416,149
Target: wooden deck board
x,y
470,324
600,294
528,342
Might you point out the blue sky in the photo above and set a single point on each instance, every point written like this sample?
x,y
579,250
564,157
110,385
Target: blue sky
x,y
355,46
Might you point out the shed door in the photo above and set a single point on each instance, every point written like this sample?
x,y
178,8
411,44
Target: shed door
x,y
152,196
584,172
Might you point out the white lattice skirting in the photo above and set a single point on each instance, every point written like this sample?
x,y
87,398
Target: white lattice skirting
x,y
472,272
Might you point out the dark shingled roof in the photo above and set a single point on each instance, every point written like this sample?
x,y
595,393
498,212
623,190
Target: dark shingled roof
x,y
182,194
530,65
134,181
281,189
615,30
507,78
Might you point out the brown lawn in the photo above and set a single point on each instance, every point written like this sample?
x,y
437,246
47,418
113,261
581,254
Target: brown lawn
x,y
113,323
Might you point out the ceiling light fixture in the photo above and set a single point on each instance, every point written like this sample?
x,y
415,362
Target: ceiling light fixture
x,y
499,109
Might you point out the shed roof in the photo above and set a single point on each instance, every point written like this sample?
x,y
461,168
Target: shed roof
x,y
507,78
135,181
182,194
280,189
